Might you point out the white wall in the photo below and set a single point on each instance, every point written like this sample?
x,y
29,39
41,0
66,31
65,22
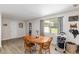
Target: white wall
x,y
36,23
6,29
12,29
35,26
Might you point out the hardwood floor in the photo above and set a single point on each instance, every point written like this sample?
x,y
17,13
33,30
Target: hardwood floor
x,y
16,46
13,46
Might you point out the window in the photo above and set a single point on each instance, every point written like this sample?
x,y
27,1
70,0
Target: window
x,y
52,26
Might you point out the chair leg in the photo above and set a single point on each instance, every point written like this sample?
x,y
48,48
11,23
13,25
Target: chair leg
x,y
30,50
45,51
25,51
49,51
40,51
24,48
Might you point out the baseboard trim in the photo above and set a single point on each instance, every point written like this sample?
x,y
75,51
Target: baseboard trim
x,y
12,38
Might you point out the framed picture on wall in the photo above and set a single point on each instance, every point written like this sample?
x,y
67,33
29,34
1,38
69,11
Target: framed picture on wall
x,y
73,25
4,24
73,18
20,25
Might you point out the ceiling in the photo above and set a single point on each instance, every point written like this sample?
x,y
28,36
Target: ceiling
x,y
32,11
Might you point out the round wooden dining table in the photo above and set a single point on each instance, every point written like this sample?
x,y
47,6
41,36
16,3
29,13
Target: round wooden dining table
x,y
37,40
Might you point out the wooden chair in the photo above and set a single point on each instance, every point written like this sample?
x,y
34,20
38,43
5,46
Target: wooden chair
x,y
45,46
28,45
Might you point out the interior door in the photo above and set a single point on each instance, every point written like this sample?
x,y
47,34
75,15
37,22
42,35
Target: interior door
x,y
6,29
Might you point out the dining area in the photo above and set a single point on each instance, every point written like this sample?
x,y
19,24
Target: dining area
x,y
41,44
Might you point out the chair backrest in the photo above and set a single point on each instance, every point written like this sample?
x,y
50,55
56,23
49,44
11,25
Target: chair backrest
x,y
47,44
28,43
29,37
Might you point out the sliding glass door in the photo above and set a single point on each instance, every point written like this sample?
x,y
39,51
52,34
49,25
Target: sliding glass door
x,y
52,26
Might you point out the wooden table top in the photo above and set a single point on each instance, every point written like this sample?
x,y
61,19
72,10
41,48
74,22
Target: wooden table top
x,y
40,39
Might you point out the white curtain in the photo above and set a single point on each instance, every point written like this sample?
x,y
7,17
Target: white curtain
x,y
60,23
41,27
